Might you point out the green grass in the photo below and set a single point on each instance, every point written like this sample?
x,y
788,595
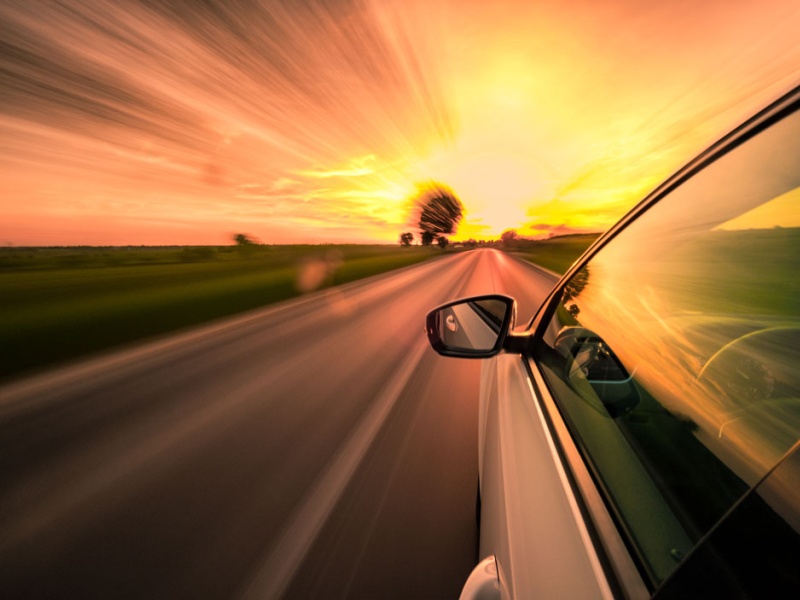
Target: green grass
x,y
57,304
557,253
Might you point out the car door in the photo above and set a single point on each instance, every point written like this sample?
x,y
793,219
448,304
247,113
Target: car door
x,y
670,357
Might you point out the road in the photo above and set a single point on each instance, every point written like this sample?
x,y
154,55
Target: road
x,y
314,449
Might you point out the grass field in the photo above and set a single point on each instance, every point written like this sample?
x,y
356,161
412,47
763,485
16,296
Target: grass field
x,y
58,304
556,254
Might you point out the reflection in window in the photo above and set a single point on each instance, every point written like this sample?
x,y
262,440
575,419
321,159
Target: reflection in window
x,y
778,213
674,353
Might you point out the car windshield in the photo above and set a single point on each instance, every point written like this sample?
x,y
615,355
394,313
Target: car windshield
x,y
673,353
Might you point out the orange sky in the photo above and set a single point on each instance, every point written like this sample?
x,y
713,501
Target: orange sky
x,y
127,124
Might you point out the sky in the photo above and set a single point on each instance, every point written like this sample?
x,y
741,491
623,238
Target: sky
x,y
173,123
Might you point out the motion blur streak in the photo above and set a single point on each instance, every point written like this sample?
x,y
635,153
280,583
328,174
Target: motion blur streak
x,y
150,110
169,122
316,448
309,518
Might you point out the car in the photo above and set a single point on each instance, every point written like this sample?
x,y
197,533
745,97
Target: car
x,y
638,438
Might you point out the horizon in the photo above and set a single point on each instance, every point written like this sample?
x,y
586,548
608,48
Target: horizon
x,y
232,244
177,126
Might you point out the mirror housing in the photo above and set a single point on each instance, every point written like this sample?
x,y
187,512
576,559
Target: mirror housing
x,y
475,327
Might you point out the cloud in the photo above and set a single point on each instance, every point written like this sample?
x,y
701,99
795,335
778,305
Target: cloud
x,y
539,229
358,167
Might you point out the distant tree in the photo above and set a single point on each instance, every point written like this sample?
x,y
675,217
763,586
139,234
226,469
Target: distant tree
x,y
509,237
442,241
470,243
406,238
242,239
245,245
439,211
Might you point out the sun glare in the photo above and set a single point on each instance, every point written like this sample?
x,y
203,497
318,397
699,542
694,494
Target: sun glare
x,y
495,189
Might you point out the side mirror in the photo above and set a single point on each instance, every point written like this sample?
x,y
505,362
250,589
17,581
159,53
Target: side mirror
x,y
472,327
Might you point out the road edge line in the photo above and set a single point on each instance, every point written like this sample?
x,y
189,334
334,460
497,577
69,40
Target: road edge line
x,y
288,553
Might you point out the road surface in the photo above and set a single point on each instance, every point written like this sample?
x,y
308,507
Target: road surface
x,y
314,449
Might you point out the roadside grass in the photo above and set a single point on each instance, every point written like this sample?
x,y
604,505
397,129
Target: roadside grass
x,y
557,253
58,304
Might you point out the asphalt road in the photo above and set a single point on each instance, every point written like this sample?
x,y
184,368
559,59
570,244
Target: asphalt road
x,y
314,449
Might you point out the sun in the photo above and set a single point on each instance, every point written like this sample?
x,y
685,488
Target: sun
x,y
495,188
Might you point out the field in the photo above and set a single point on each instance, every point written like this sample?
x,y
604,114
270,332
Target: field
x,y
556,254
58,304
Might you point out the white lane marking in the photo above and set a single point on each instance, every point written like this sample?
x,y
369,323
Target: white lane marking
x,y
125,457
304,525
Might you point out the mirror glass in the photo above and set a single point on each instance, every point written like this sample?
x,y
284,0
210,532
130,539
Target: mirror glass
x,y
472,325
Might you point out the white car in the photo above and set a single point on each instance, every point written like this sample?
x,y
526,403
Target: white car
x,y
639,438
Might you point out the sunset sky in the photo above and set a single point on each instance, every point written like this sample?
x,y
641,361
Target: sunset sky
x,y
167,122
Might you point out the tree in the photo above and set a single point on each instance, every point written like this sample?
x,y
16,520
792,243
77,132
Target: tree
x,y
242,239
442,241
439,211
406,238
245,245
509,237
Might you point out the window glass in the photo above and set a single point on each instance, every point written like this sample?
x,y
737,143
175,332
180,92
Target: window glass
x,y
673,354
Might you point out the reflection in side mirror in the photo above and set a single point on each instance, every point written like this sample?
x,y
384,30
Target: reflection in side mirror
x,y
472,327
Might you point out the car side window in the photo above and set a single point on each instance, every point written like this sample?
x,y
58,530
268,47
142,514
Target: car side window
x,y
673,352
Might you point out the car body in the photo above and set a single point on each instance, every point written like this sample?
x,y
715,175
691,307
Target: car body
x,y
639,437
